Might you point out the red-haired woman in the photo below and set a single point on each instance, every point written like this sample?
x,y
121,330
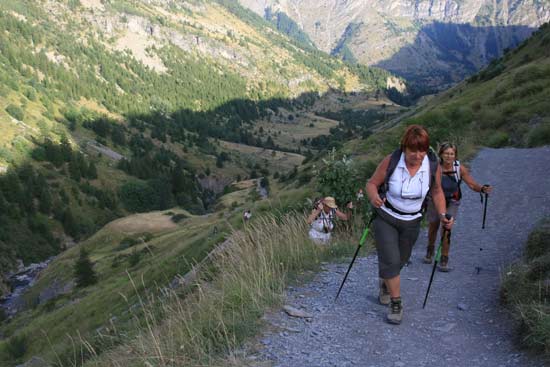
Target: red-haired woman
x,y
397,190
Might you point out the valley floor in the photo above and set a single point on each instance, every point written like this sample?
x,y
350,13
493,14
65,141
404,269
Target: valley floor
x,y
463,323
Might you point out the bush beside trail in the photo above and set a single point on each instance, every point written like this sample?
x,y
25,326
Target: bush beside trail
x,y
526,290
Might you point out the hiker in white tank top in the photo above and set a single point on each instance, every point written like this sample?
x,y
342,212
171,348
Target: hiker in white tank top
x,y
407,193
396,230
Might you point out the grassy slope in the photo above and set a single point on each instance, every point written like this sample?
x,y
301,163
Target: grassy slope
x,y
64,43
526,290
172,250
112,302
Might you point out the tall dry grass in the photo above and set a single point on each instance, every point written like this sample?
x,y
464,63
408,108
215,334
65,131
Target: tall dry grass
x,y
526,290
205,326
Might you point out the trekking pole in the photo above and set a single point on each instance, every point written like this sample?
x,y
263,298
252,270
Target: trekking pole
x,y
437,257
361,242
484,210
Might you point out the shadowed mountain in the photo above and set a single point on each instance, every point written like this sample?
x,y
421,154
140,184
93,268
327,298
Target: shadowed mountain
x,y
443,53
371,32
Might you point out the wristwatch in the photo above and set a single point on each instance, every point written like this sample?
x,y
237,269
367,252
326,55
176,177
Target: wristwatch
x,y
442,215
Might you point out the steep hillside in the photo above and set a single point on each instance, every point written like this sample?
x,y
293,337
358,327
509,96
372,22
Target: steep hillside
x,y
433,42
113,107
149,56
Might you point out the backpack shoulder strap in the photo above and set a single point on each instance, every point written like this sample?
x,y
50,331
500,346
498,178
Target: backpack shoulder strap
x,y
457,169
394,160
434,163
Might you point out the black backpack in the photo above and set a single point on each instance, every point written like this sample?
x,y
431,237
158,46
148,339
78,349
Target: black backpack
x,y
394,160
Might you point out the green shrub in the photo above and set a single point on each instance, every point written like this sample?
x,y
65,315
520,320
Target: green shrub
x,y
529,89
491,118
498,139
499,91
127,242
538,243
178,217
538,136
535,327
529,73
15,111
84,270
460,115
338,178
134,258
49,305
476,106
516,287
16,346
539,269
138,196
492,71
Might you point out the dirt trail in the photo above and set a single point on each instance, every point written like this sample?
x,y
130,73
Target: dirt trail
x,y
463,323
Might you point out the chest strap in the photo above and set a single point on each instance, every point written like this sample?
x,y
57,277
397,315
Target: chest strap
x,y
393,209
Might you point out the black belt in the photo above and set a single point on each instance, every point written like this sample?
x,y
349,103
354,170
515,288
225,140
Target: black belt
x,y
393,209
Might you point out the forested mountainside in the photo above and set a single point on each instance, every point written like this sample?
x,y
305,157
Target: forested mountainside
x,y
433,42
109,107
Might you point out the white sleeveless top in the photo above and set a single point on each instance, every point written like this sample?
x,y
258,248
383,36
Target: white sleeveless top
x,y
406,193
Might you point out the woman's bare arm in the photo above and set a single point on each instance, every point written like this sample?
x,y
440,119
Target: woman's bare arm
x,y
342,215
472,184
375,181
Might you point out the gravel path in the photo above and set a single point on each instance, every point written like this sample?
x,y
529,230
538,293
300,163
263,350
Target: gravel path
x,y
463,323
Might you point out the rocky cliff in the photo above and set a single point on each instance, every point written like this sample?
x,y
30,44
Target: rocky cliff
x,y
436,42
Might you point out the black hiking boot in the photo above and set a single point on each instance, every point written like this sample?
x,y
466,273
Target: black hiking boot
x,y
395,313
429,255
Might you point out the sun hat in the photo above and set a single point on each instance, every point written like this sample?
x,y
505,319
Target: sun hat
x,y
330,202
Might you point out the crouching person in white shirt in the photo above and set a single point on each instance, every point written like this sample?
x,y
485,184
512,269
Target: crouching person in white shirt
x,y
322,219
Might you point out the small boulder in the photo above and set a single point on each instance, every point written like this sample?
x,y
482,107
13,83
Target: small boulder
x,y
294,312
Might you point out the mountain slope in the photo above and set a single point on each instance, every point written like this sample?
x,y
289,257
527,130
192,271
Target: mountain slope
x,y
109,108
148,86
150,55
504,104
413,38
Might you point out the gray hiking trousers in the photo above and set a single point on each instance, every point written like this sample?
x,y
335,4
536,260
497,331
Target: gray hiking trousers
x,y
395,239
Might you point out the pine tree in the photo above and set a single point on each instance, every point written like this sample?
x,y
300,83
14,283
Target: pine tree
x,y
70,225
66,150
3,204
84,270
92,171
45,198
74,169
